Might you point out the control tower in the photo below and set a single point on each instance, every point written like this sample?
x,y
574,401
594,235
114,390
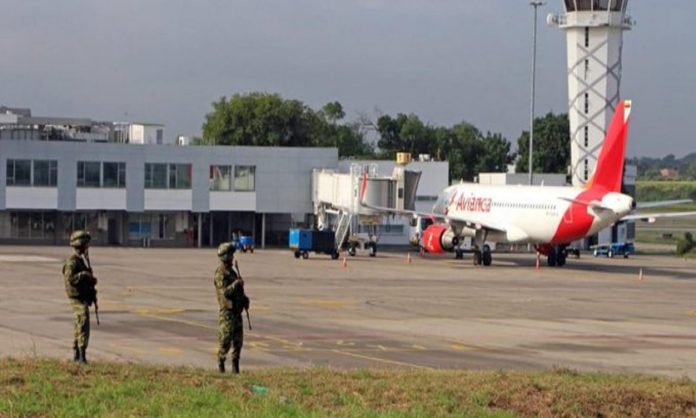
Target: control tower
x,y
594,35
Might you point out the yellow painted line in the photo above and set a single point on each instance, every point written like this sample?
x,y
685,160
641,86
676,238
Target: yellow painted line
x,y
327,303
381,360
692,313
345,343
418,347
170,351
178,320
122,347
461,347
159,311
259,344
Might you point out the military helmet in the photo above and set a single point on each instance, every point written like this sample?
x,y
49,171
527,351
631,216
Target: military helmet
x,y
226,251
80,238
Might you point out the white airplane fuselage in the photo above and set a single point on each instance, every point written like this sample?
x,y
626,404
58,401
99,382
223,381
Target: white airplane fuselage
x,y
530,214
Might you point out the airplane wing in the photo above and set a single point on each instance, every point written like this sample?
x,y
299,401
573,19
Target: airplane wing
x,y
402,212
659,203
454,220
491,226
652,217
593,204
412,213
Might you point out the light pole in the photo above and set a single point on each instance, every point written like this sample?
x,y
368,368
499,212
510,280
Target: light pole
x,y
536,5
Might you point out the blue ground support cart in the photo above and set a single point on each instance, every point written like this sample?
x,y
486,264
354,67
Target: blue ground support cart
x,y
244,243
302,241
614,249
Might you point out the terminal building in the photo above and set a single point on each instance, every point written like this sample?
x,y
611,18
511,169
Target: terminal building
x,y
134,192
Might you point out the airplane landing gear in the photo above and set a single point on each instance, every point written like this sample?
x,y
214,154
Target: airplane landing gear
x,y
477,257
486,256
482,256
557,256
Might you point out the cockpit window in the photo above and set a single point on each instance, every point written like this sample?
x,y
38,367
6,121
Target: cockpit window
x,y
442,202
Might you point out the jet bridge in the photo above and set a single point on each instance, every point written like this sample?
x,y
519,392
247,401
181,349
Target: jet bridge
x,y
336,198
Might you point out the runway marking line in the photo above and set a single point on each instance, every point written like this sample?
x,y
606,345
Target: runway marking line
x,y
381,360
293,345
327,303
692,313
170,351
461,347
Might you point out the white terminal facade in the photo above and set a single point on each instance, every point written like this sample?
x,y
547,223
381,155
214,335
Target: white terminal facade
x,y
128,186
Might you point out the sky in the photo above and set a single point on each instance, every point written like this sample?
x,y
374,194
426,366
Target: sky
x,y
447,61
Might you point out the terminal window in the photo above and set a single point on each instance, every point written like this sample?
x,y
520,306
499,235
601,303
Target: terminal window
x,y
155,176
220,178
18,173
45,173
37,225
179,176
245,178
88,174
114,175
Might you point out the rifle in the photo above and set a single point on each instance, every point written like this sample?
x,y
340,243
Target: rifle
x,y
236,266
85,256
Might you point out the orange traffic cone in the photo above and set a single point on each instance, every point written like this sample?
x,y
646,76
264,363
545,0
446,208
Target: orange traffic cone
x,y
408,258
640,275
345,262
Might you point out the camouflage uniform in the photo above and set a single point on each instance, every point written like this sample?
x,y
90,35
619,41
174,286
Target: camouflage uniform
x,y
81,291
232,301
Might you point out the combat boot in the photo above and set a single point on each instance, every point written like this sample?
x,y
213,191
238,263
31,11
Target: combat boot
x,y
83,356
235,366
221,365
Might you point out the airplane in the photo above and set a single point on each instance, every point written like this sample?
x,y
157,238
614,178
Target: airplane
x,y
550,218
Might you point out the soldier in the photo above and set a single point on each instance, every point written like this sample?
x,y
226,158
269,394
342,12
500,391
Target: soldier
x,y
232,301
80,288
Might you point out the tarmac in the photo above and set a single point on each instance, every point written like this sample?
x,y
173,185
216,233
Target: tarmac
x,y
158,306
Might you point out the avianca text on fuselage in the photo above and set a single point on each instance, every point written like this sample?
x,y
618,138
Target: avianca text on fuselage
x,y
471,203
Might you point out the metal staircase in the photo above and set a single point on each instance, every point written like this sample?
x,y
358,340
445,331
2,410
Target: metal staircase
x,y
345,219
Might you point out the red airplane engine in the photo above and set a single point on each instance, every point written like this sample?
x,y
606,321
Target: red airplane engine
x,y
439,238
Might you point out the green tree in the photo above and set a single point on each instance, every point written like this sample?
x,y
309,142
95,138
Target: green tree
x,y
260,119
348,138
333,112
465,151
495,154
551,145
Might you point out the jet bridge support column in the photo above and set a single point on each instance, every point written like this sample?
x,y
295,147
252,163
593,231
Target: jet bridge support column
x,y
200,230
263,231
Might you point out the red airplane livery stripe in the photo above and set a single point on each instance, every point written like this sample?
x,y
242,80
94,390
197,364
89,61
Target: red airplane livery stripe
x,y
607,177
576,221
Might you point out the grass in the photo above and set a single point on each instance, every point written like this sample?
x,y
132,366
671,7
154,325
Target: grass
x,y
665,190
41,387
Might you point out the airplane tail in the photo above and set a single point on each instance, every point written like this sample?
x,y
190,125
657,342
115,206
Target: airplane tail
x,y
608,173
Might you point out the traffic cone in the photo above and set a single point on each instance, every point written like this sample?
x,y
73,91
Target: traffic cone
x,y
408,258
640,275
345,262
537,266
